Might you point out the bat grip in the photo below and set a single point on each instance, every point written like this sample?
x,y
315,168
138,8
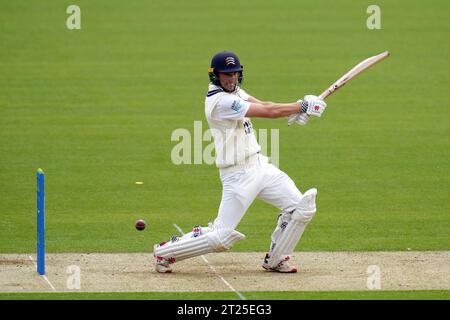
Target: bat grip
x,y
324,94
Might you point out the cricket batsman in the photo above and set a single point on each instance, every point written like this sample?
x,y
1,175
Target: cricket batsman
x,y
245,173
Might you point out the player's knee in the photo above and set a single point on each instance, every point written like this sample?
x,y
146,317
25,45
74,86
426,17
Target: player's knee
x,y
224,239
306,207
303,216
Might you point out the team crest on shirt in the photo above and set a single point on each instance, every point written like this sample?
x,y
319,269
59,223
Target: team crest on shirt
x,y
236,105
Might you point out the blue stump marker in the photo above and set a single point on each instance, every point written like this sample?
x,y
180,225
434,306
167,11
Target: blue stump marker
x,y
40,202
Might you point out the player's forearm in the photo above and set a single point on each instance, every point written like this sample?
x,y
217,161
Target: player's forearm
x,y
272,110
284,109
269,109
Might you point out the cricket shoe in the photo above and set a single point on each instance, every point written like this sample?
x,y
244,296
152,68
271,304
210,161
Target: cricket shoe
x,y
162,265
282,267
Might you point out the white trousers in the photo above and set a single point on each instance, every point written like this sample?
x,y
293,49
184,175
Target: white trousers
x,y
261,180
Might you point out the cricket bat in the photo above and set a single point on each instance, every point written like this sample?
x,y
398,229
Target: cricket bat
x,y
356,70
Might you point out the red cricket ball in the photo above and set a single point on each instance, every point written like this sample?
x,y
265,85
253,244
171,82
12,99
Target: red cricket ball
x,y
140,224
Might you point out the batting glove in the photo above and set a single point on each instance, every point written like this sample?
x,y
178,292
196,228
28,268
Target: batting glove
x,y
300,118
312,106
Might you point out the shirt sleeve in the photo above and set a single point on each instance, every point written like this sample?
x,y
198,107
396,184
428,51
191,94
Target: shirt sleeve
x,y
244,95
231,107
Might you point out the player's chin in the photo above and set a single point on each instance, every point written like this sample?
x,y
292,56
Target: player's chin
x,y
230,87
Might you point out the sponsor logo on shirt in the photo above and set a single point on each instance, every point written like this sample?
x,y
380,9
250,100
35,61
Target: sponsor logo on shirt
x,y
248,126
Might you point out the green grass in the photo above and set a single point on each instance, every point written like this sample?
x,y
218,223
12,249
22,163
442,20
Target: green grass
x,y
270,295
95,109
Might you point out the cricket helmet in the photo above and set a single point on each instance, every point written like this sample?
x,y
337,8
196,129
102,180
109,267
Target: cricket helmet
x,y
225,61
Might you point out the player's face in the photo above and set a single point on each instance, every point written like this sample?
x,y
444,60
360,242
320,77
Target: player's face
x,y
228,80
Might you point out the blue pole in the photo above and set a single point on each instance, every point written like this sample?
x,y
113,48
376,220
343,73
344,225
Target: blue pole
x,y
40,201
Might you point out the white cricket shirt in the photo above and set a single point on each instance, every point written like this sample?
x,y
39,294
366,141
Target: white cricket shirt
x,y
232,132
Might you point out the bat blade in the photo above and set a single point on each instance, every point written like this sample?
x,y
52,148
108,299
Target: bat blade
x,y
356,70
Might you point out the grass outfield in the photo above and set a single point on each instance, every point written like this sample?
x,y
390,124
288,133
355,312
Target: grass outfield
x,y
270,295
95,109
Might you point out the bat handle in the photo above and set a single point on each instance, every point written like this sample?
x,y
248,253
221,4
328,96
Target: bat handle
x,y
329,91
324,94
